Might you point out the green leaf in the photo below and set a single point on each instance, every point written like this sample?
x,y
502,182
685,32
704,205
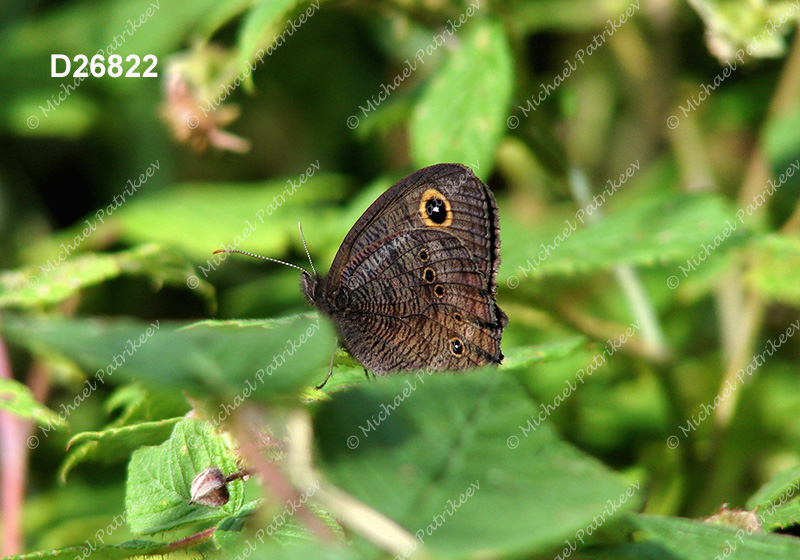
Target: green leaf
x,y
263,25
658,230
17,399
774,263
688,539
127,549
776,502
114,444
293,550
418,447
62,276
228,533
255,217
461,116
271,359
160,478
219,14
522,357
781,137
731,26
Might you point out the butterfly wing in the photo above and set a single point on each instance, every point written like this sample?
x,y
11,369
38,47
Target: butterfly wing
x,y
413,284
416,300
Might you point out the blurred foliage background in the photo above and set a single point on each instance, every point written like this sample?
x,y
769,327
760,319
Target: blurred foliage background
x,y
115,191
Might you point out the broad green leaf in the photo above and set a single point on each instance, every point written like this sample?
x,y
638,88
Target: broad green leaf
x,y
680,229
264,548
270,359
17,399
689,539
774,263
160,479
114,444
462,114
200,218
418,447
347,372
127,549
62,276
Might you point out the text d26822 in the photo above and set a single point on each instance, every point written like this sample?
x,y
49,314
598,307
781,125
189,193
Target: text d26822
x,y
61,65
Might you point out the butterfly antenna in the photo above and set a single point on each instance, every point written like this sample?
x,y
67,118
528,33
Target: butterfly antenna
x,y
260,257
303,237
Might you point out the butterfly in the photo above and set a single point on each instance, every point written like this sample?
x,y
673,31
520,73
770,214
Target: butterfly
x,y
413,285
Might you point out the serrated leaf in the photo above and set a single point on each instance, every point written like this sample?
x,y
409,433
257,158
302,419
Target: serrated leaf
x,y
688,539
776,502
62,276
270,359
158,489
17,399
774,263
462,114
442,446
114,444
658,230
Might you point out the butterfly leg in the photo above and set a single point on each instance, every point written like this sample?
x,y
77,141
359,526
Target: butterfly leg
x,y
330,368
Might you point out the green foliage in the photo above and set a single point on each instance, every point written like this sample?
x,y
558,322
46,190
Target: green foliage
x,y
693,540
664,230
482,68
17,399
436,454
36,287
646,179
158,488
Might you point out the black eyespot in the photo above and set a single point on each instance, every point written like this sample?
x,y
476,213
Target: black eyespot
x,y
438,290
429,275
423,255
436,210
456,347
458,318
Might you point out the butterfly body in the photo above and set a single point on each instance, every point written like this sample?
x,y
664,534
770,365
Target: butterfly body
x,y
413,283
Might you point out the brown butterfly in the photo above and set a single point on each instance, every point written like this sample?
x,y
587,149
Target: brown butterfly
x,y
413,284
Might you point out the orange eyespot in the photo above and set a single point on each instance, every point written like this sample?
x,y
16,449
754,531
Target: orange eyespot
x,y
434,209
456,347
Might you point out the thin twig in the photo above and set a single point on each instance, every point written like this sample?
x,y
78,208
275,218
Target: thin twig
x,y
273,478
638,301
